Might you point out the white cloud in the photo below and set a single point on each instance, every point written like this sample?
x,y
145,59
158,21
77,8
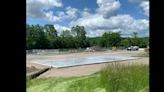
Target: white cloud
x,y
60,28
50,17
35,8
96,25
145,6
86,9
108,7
105,19
71,13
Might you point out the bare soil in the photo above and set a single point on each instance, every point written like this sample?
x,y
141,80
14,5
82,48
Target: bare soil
x,y
31,69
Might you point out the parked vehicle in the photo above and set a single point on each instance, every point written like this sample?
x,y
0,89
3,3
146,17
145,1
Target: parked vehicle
x,y
132,48
89,49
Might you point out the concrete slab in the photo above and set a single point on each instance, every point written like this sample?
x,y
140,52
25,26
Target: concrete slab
x,y
82,61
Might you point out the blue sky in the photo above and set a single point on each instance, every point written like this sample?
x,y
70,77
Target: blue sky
x,y
97,16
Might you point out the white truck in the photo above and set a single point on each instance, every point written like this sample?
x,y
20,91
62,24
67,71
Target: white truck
x,y
132,48
89,49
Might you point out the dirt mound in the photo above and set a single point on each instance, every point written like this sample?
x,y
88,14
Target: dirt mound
x,y
31,69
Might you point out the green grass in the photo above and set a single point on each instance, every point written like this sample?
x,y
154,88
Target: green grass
x,y
125,78
112,78
142,55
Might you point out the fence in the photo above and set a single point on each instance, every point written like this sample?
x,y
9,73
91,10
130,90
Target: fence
x,y
46,51
71,50
111,48
31,52
120,48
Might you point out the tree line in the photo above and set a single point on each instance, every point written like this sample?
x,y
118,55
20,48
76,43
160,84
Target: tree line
x,y
39,37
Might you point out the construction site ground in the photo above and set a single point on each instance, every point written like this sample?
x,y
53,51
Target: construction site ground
x,y
83,69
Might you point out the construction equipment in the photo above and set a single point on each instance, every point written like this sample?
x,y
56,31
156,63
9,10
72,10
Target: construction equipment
x,y
89,49
132,48
113,48
147,49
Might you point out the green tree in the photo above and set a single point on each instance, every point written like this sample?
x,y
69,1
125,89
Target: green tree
x,y
67,39
135,34
30,31
50,30
87,42
66,34
93,42
43,40
79,35
124,42
110,39
101,42
135,41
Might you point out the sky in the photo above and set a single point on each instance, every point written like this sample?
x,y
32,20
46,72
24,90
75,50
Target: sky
x,y
97,16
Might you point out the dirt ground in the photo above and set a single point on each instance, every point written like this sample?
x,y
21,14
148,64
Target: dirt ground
x,y
31,69
84,69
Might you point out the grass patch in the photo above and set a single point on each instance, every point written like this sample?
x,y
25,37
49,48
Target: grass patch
x,y
142,55
125,78
44,85
89,84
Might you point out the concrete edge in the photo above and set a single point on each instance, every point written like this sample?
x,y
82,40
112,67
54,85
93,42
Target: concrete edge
x,y
37,73
95,63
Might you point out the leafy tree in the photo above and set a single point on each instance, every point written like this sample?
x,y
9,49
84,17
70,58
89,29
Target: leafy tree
x,y
101,42
93,43
66,34
43,41
67,39
135,34
79,35
50,30
30,35
110,39
124,42
87,42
